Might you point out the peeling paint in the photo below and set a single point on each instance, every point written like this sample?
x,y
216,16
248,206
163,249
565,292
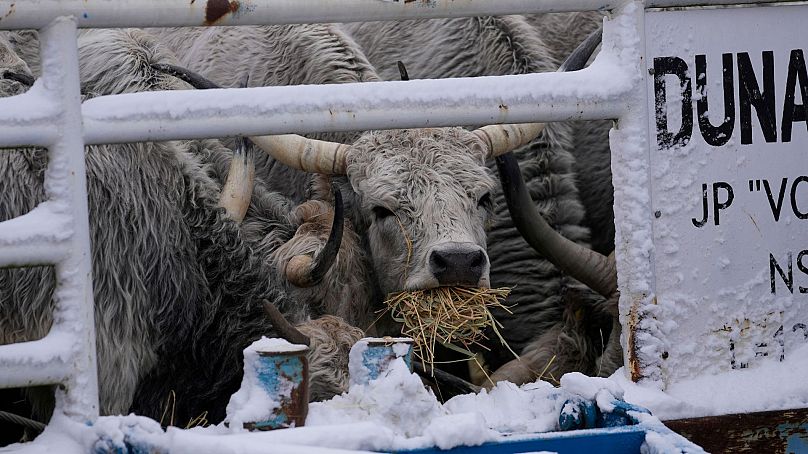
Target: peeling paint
x,y
633,359
216,9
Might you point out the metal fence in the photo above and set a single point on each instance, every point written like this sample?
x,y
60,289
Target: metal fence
x,y
51,115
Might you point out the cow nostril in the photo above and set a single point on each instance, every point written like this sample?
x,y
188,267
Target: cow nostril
x,y
438,262
477,259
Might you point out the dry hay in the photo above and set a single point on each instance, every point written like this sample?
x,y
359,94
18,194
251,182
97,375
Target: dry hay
x,y
455,317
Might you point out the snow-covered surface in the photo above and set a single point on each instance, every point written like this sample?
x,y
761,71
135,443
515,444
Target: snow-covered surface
x,y
252,403
393,412
767,386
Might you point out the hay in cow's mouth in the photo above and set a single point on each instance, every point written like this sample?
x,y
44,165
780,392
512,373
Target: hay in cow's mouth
x,y
455,317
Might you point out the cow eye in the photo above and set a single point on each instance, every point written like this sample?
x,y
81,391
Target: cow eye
x,y
485,201
380,212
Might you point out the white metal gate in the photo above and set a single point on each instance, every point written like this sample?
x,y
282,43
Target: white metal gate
x,y
51,115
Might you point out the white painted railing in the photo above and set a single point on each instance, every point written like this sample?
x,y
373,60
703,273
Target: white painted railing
x,y
51,115
57,231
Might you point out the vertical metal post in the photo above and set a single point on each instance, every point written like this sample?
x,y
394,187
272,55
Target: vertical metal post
x,y
66,188
629,144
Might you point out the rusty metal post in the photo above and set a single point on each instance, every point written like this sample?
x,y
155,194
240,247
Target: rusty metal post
x,y
284,376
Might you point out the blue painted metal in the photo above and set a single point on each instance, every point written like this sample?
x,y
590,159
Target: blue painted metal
x,y
577,413
380,353
284,377
604,441
796,437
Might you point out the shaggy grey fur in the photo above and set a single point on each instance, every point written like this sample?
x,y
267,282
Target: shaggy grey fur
x,y
178,287
273,55
544,319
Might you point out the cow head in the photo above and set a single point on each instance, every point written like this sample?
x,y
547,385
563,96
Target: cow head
x,y
420,197
422,200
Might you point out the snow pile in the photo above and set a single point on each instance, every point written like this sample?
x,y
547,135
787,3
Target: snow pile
x,y
508,408
604,391
251,403
397,400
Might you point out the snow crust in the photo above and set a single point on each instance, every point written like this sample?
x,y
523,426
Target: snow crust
x,y
769,385
394,412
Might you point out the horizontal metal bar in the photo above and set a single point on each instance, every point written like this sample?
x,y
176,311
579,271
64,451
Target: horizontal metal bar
x,y
38,237
16,14
40,362
42,253
712,3
29,118
582,95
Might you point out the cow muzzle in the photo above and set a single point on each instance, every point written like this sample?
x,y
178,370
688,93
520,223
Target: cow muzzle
x,y
459,264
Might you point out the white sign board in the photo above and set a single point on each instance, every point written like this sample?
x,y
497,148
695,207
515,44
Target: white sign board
x,y
728,124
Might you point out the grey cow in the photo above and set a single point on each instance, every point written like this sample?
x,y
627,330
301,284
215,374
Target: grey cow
x,y
567,166
420,199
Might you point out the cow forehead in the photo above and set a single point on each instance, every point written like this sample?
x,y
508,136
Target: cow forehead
x,y
402,164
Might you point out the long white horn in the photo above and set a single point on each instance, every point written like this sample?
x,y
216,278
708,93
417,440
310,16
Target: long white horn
x,y
237,189
309,155
502,139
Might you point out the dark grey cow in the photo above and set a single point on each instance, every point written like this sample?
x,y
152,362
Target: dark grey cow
x,y
179,286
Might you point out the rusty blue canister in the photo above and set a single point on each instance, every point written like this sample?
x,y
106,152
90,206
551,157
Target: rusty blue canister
x,y
284,376
371,357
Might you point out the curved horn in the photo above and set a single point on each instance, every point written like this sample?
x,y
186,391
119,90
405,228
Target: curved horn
x,y
446,382
194,79
501,139
302,270
22,78
295,151
589,267
237,188
285,329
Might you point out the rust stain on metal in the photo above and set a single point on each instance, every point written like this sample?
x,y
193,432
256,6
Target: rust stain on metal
x,y
633,360
298,407
216,9
777,431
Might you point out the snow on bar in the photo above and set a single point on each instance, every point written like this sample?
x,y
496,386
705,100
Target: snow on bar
x,y
16,14
56,232
593,93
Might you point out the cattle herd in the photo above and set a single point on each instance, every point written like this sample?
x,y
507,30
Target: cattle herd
x,y
183,277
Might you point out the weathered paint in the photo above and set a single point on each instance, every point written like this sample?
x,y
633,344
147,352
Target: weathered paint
x,y
771,432
380,353
216,9
285,377
632,360
577,413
